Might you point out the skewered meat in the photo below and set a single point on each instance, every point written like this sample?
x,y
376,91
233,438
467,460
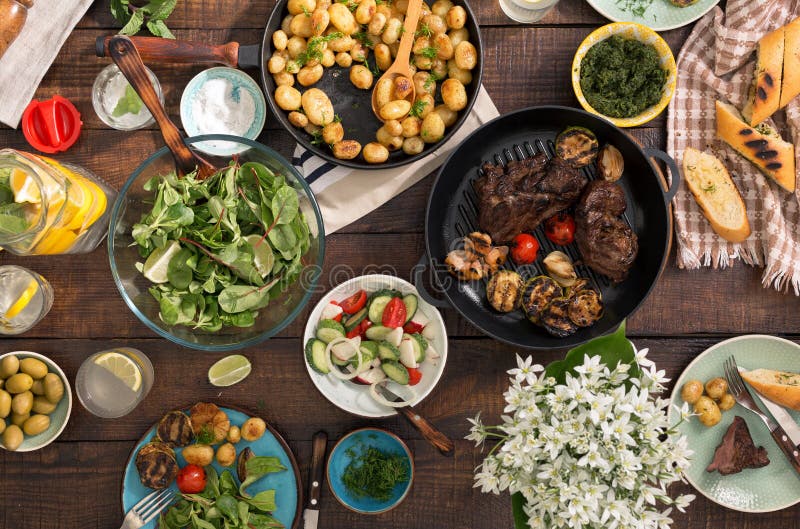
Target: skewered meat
x,y
606,242
737,451
478,259
519,197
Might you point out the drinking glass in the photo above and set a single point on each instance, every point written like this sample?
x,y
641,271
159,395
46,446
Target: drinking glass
x,y
527,11
25,298
112,383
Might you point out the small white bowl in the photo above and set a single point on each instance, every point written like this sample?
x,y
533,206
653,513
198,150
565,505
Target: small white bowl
x,y
59,417
355,398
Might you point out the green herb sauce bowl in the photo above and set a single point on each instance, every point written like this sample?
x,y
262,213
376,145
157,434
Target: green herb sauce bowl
x,y
286,303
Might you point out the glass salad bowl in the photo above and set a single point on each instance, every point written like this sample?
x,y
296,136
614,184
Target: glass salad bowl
x,y
221,251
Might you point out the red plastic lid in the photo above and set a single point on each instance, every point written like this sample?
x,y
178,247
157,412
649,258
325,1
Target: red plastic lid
x,y
51,126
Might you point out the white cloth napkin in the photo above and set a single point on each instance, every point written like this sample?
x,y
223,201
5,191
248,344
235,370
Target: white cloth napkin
x,y
345,195
29,57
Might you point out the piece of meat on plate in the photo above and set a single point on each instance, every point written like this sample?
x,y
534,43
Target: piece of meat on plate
x,y
737,451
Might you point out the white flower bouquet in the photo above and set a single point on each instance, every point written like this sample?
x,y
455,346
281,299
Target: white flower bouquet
x,y
585,443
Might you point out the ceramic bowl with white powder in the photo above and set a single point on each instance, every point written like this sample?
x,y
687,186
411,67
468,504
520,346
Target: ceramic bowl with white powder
x,y
223,101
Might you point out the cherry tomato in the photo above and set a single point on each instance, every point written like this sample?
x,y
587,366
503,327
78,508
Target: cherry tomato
x,y
414,376
560,228
355,302
413,327
355,331
394,315
191,479
524,248
364,325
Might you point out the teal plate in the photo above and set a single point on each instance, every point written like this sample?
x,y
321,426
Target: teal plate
x,y
770,488
285,483
660,15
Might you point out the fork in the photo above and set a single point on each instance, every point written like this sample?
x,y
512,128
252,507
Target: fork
x,y
148,508
743,397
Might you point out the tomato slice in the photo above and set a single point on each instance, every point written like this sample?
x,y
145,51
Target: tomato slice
x,y
191,479
414,376
355,331
413,327
355,302
364,325
394,315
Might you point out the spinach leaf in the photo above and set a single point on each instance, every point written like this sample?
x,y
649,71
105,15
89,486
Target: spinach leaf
x,y
239,298
264,501
228,507
264,521
285,205
257,467
226,483
179,273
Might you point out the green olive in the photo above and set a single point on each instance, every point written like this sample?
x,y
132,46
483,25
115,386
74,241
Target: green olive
x,y
22,403
18,419
19,383
36,424
5,404
38,387
9,366
34,367
53,388
42,405
12,437
2,425
2,382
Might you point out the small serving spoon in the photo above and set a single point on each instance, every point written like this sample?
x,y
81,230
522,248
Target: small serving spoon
x,y
128,60
401,65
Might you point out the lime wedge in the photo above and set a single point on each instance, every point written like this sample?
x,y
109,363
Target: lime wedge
x,y
263,259
229,371
155,268
23,300
122,367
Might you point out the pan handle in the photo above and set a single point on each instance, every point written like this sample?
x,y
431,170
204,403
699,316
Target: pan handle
x,y
673,170
156,49
421,266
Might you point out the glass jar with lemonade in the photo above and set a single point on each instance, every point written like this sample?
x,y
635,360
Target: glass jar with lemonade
x,y
49,207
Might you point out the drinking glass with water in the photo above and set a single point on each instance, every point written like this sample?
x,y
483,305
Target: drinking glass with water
x,y
25,298
527,11
112,383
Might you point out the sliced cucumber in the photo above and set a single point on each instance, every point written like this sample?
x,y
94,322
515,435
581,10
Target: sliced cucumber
x,y
329,330
378,332
387,351
422,346
411,302
315,356
378,301
368,353
354,320
396,371
370,346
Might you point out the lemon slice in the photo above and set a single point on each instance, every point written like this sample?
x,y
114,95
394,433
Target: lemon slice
x,y
23,300
57,241
229,371
24,188
155,267
122,367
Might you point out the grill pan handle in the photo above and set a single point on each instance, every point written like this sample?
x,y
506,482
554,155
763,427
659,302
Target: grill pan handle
x,y
156,49
673,170
421,267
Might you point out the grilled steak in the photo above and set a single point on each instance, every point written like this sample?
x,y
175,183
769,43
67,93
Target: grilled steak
x,y
737,451
519,197
606,242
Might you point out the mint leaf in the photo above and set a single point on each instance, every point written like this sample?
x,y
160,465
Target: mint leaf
x,y
119,10
163,10
134,24
129,103
12,225
159,29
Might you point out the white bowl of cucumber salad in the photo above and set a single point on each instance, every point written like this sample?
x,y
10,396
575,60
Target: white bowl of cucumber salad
x,y
373,331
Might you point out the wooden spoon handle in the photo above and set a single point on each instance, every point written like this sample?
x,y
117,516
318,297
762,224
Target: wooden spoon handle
x,y
428,431
156,49
407,40
127,58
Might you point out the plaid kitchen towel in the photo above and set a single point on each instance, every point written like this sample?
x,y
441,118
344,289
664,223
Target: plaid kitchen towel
x,y
717,62
345,195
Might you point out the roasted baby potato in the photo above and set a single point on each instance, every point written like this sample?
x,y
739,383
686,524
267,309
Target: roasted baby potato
x,y
288,97
253,428
726,402
226,455
316,105
707,411
345,150
716,388
234,435
692,391
375,153
454,94
361,77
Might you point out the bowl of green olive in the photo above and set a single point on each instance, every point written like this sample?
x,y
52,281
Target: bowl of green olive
x,y
35,401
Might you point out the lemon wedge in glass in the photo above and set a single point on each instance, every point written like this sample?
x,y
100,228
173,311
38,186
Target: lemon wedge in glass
x,y
121,367
23,300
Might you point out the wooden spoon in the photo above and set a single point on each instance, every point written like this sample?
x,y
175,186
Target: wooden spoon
x,y
401,65
126,57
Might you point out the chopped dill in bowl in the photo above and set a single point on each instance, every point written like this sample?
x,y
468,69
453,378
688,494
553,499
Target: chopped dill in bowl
x,y
374,473
620,78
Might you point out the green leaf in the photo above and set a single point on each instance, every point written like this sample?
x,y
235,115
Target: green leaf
x,y
12,224
517,504
226,483
163,10
228,506
244,513
133,25
285,205
264,521
257,467
179,274
129,103
239,298
119,10
613,349
199,523
159,29
264,501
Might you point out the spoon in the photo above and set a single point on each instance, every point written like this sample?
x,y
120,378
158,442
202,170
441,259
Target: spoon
x,y
128,60
401,65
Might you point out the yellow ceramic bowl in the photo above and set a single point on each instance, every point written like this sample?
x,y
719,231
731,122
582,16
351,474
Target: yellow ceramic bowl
x,y
628,30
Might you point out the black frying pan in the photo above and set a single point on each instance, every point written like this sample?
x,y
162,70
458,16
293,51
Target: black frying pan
x,y
452,213
353,105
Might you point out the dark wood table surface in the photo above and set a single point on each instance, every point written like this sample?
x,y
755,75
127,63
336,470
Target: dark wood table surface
x,y
75,481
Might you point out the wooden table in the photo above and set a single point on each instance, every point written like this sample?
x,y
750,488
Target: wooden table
x,y
75,482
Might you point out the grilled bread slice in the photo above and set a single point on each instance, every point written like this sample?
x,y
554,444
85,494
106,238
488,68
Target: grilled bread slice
x,y
790,85
778,386
761,145
765,92
717,195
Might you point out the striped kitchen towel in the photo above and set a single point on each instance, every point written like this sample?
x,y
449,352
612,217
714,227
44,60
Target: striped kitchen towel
x,y
345,195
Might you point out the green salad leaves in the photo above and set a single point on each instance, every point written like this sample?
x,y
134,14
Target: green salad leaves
x,y
220,249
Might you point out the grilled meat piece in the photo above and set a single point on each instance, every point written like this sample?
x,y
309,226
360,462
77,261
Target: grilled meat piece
x,y
519,197
606,242
737,451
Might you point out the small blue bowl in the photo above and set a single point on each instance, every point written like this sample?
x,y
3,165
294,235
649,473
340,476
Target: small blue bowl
x,y
240,82
339,459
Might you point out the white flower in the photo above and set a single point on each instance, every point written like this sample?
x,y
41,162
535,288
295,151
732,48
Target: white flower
x,y
476,432
525,371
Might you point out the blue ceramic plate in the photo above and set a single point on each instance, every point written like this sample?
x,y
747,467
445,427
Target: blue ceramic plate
x,y
339,459
285,483
770,488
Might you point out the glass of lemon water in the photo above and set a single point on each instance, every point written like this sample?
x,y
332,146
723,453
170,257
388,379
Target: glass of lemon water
x,y
527,11
25,298
112,383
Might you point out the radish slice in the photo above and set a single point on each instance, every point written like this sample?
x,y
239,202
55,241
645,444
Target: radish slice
x,y
372,376
330,312
334,369
407,355
429,333
395,336
420,318
380,399
430,352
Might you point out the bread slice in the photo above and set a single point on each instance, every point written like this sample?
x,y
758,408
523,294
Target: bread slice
x,y
790,85
765,92
778,386
717,195
762,145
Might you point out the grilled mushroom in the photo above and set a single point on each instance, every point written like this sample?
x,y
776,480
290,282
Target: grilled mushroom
x,y
540,291
241,463
175,428
504,290
555,318
156,465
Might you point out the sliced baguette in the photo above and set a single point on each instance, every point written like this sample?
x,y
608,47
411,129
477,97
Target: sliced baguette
x,y
763,146
790,86
778,386
717,195
765,92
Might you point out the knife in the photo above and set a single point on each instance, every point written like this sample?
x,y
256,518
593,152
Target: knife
x,y
428,431
311,512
